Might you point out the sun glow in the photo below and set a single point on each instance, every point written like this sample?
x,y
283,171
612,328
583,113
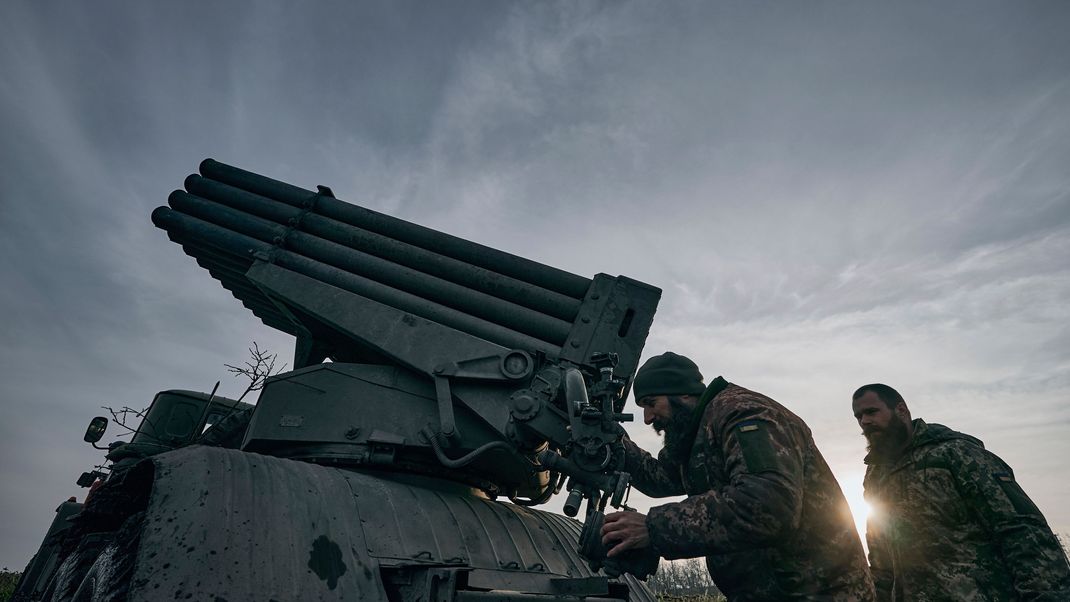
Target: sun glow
x,y
860,510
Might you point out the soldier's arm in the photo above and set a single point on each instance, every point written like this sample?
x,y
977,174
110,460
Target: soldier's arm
x,y
1031,552
653,477
762,502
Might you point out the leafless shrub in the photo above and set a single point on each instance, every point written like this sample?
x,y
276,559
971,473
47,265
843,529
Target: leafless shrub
x,y
126,418
258,369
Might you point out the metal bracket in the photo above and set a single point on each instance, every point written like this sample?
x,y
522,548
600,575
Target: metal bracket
x,y
307,350
294,223
511,365
446,421
441,585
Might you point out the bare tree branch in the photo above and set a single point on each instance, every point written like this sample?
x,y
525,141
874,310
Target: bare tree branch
x,y
124,415
258,369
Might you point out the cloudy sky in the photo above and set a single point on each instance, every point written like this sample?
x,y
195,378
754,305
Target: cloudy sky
x,y
829,194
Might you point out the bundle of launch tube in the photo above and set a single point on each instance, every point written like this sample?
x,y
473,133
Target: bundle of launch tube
x,y
228,219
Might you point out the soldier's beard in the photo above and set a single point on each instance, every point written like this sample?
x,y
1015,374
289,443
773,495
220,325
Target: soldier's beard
x,y
885,445
677,430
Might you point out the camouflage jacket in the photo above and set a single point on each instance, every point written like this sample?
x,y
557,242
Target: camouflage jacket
x,y
762,506
950,523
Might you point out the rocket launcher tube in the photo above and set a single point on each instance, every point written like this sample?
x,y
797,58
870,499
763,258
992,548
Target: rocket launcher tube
x,y
481,279
374,268
469,252
183,227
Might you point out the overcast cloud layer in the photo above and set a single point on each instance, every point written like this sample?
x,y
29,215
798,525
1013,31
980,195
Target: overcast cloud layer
x,y
829,194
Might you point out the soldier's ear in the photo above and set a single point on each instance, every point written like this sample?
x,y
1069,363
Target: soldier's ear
x,y
902,411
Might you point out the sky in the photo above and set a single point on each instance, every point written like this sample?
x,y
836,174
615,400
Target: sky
x,y
828,193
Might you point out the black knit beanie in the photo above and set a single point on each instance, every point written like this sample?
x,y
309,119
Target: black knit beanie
x,y
668,374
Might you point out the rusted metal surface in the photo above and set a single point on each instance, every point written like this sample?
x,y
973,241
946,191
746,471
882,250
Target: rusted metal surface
x,y
242,526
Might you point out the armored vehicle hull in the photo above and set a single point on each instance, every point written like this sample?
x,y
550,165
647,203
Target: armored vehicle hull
x,y
221,524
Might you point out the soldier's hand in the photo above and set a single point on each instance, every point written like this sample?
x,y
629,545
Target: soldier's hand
x,y
623,531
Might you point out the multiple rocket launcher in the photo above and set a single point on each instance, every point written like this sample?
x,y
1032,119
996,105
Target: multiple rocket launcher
x,y
489,333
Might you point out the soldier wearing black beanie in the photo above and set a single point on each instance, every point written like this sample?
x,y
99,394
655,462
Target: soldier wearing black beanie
x,y
668,374
762,505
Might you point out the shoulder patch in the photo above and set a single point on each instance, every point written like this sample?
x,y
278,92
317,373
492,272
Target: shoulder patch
x,y
754,441
1021,502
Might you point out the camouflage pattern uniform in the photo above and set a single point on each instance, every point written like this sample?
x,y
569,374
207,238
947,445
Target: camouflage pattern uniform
x,y
950,523
762,506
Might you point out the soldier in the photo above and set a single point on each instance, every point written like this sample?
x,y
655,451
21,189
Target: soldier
x,y
762,506
949,521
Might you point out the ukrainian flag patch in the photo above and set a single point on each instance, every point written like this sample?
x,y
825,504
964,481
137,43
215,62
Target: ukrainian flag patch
x,y
757,447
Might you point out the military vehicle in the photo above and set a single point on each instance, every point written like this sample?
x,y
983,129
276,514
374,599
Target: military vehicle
x,y
434,378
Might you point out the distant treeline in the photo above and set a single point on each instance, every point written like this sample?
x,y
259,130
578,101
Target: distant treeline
x,y
8,581
684,580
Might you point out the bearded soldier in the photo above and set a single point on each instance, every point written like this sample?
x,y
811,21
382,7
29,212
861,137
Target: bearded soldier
x,y
949,522
762,506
